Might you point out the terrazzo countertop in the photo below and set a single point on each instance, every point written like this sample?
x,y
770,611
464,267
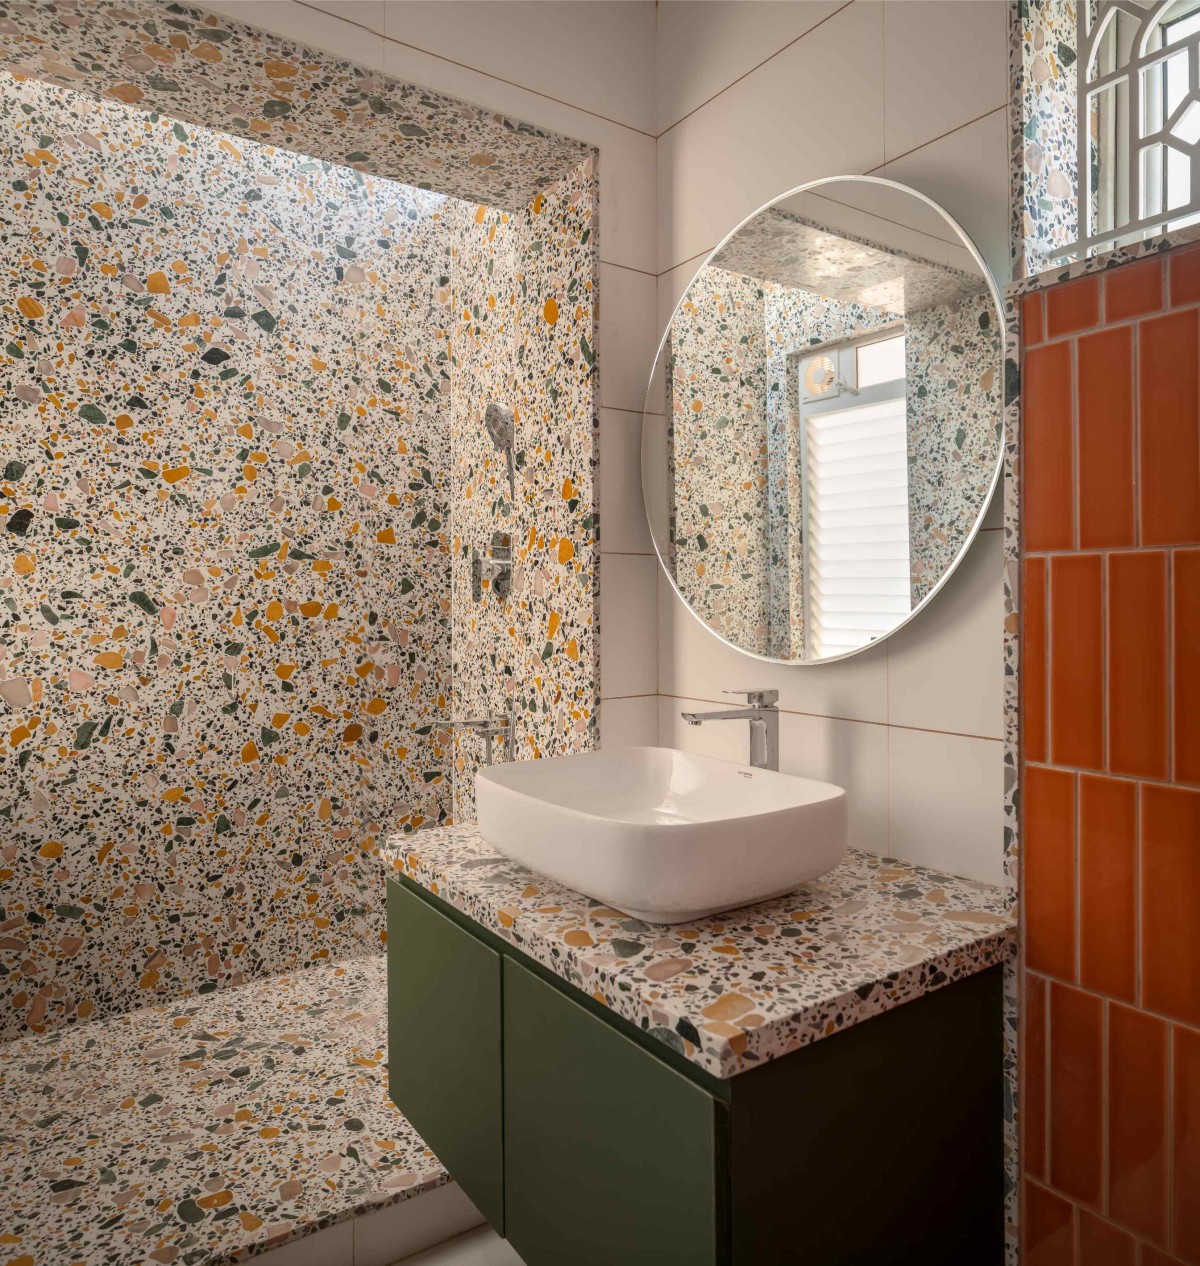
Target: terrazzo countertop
x,y
746,986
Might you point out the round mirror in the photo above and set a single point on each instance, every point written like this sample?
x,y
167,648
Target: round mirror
x,y
823,428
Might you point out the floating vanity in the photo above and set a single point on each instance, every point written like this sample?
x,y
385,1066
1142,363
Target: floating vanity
x,y
814,1078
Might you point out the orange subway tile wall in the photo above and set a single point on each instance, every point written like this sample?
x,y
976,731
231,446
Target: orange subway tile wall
x,y
1110,767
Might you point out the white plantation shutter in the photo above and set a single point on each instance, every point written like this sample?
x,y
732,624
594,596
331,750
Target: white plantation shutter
x,y
857,574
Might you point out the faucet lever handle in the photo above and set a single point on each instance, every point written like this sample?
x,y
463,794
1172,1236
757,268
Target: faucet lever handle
x,y
757,698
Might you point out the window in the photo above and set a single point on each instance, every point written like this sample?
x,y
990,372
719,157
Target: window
x,y
1139,121
856,553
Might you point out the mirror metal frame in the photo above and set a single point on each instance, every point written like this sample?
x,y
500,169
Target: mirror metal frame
x,y
1002,326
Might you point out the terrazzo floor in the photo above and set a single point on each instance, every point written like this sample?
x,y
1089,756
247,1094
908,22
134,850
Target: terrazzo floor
x,y
208,1130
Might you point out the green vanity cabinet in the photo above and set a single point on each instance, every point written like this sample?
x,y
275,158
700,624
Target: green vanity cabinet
x,y
600,1135
584,1140
444,1024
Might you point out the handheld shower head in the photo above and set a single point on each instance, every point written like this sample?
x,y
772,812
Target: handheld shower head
x,y
498,418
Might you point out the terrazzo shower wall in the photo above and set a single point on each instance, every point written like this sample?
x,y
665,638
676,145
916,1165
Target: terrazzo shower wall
x,y
523,308
239,379
227,575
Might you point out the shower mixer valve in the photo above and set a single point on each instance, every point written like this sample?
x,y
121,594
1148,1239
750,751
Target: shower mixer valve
x,y
492,728
492,570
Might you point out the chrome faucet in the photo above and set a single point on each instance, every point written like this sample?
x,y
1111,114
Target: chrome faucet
x,y
492,728
763,716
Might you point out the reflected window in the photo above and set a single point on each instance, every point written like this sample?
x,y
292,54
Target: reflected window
x,y
856,576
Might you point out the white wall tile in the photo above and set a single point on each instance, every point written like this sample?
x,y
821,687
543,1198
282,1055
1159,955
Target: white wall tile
x,y
946,668
703,47
477,1248
628,334
623,527
850,754
629,722
943,65
402,1229
696,663
334,1246
815,110
967,172
527,43
946,802
628,625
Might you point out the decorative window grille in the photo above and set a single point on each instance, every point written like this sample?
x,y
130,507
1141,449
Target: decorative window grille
x,y
1139,121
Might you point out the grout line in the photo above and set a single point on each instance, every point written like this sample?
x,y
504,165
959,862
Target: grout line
x,y
871,171
629,268
733,83
949,132
614,698
826,716
1169,1124
1042,974
1058,766
487,74
628,553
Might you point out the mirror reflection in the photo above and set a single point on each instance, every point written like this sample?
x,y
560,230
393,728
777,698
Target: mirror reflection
x,y
823,429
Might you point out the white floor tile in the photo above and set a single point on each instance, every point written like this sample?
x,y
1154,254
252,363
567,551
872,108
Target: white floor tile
x,y
333,1246
400,1230
477,1248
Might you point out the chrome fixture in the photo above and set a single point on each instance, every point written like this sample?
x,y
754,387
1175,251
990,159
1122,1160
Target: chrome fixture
x,y
500,422
492,728
494,567
763,716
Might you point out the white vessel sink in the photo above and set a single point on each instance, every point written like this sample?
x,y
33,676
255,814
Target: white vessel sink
x,y
662,835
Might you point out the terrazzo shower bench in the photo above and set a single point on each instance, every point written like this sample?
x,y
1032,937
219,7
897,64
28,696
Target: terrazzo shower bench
x,y
816,1078
218,1127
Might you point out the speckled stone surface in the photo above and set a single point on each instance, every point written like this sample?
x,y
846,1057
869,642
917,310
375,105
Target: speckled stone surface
x,y
242,472
735,455
206,1130
220,73
740,988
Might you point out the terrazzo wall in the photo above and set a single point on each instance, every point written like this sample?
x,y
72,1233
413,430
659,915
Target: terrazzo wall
x,y
228,561
524,305
1045,149
736,459
203,69
245,389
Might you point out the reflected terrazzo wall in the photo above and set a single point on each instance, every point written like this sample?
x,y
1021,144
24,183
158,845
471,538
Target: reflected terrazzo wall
x,y
717,451
736,458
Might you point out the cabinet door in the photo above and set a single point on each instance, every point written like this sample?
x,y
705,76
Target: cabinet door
x,y
610,1154
444,1069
